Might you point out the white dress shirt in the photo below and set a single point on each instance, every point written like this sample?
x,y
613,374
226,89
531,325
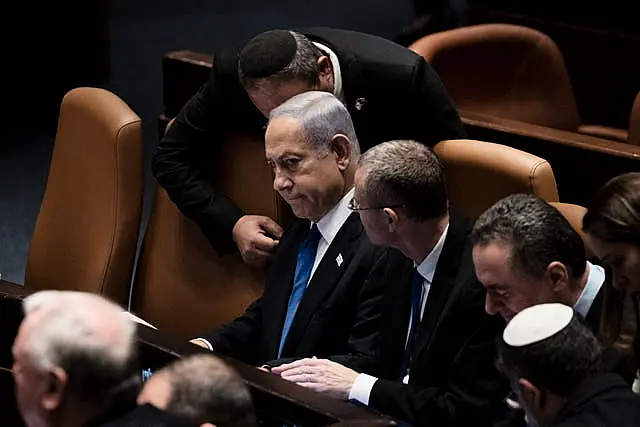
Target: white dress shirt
x,y
590,290
362,386
328,226
337,75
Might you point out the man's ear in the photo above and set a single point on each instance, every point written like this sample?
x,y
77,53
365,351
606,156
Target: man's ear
x,y
57,383
341,148
558,274
325,74
393,219
532,396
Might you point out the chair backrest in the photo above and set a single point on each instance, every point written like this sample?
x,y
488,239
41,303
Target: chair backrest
x,y
182,286
634,123
574,214
86,232
481,173
504,70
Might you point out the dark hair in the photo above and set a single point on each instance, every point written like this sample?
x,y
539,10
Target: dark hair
x,y
206,390
558,363
279,56
614,216
537,233
406,173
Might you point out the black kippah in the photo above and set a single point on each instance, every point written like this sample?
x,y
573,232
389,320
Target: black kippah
x,y
267,53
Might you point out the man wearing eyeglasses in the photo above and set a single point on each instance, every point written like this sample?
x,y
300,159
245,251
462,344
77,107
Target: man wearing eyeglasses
x,y
435,361
323,290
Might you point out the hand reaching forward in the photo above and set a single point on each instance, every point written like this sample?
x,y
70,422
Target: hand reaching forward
x,y
320,375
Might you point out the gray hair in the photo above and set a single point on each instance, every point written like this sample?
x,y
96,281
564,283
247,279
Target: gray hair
x,y
206,390
321,116
405,173
87,336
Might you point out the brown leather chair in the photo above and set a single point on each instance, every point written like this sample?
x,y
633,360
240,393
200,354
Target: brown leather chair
x,y
634,123
504,70
182,286
86,232
574,214
481,173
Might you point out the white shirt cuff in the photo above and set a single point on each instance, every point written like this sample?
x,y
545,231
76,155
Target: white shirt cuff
x,y
361,388
205,342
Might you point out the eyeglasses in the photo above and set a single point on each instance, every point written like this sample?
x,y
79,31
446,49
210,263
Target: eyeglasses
x,y
355,206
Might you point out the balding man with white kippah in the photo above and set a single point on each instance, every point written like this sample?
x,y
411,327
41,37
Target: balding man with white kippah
x,y
553,362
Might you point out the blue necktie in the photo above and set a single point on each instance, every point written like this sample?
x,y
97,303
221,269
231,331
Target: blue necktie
x,y
416,299
306,258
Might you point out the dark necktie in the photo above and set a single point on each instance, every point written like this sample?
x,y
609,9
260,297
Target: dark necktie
x,y
306,258
416,299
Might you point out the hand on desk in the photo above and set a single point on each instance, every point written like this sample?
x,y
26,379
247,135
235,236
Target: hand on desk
x,y
320,375
199,342
257,238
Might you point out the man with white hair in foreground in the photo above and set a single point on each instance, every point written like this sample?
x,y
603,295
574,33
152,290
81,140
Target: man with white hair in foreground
x,y
75,362
553,362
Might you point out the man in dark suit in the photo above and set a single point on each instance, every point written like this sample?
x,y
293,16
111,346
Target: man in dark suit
x,y
525,253
324,286
553,363
390,92
435,359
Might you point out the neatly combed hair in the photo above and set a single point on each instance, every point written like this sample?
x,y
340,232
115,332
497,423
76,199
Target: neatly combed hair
x,y
537,233
101,363
558,363
321,117
303,65
405,173
205,390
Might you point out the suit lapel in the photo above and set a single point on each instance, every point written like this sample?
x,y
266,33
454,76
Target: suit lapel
x,y
324,279
279,285
442,284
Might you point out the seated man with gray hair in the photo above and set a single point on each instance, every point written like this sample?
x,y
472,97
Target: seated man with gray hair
x,y
75,363
202,389
75,360
323,289
554,367
435,359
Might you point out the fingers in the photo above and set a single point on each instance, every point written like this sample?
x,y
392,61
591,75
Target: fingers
x,y
270,227
261,242
313,362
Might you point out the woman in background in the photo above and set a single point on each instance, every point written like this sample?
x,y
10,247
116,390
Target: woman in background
x,y
612,224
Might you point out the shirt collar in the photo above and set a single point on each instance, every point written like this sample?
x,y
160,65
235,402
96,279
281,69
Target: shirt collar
x,y
332,222
590,290
427,267
337,75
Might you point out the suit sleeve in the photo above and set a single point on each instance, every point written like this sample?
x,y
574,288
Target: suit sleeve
x,y
241,338
433,115
182,163
475,390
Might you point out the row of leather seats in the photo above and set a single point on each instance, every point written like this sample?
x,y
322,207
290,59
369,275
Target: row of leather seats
x,y
88,226
518,73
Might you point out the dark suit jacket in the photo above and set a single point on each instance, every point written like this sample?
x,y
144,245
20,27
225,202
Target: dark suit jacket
x,y
605,400
339,311
453,378
400,96
145,416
